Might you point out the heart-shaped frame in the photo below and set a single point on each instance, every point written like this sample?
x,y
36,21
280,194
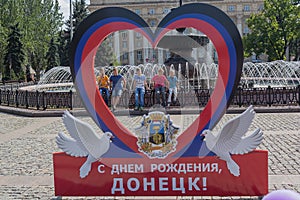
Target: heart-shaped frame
x,y
208,19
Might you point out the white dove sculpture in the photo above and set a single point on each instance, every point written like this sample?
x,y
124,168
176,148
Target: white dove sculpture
x,y
84,142
232,140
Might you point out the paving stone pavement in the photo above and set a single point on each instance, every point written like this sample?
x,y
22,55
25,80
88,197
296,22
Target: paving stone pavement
x,y
27,145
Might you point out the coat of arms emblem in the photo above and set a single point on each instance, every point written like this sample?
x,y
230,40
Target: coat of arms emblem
x,y
157,135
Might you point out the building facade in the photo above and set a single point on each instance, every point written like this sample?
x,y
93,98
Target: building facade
x,y
133,49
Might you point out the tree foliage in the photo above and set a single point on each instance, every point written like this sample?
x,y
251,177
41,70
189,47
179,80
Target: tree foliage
x,y
52,55
273,30
39,21
45,22
14,56
63,48
104,55
80,11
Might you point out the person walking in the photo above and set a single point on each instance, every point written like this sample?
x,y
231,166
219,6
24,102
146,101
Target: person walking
x,y
103,84
117,83
139,83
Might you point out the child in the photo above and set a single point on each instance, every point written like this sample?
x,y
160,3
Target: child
x,y
103,83
172,86
160,82
139,83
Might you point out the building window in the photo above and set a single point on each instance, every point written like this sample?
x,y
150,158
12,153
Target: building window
x,y
139,55
246,30
124,35
124,44
166,10
231,8
247,8
139,44
138,35
260,7
110,36
138,11
154,55
152,22
125,56
151,11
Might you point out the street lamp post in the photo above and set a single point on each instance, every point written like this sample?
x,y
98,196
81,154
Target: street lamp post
x,y
71,21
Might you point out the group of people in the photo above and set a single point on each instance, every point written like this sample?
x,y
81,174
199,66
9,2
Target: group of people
x,y
117,83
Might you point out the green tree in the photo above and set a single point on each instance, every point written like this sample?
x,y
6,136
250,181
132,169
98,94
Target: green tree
x,y
63,48
3,44
80,11
42,23
52,55
39,21
273,30
104,55
14,56
115,61
6,9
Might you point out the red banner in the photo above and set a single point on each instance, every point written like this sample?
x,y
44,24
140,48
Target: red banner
x,y
187,176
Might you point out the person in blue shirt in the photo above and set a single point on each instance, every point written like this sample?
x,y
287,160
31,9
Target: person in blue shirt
x,y
117,83
173,82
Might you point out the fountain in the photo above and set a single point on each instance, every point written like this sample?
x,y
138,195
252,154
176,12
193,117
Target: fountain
x,y
56,88
276,73
58,79
201,74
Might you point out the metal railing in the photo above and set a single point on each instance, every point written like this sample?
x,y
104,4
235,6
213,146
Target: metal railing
x,y
269,96
35,99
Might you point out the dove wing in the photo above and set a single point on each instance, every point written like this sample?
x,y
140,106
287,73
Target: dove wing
x,y
69,146
232,132
85,136
249,143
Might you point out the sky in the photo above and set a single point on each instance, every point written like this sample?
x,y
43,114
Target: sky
x,y
65,7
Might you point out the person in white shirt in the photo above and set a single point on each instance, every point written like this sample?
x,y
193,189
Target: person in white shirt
x,y
139,83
